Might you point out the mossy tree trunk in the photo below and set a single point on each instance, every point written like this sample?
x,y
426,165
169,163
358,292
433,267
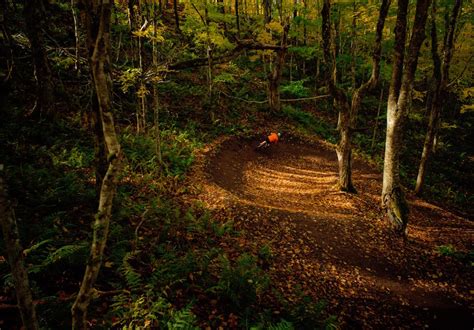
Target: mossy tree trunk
x,y
98,13
15,258
403,74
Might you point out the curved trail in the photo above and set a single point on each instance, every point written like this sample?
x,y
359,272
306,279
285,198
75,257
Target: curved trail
x,y
335,245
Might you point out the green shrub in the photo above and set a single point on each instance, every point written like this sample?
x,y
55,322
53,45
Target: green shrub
x,y
242,282
150,311
295,89
310,123
450,251
177,150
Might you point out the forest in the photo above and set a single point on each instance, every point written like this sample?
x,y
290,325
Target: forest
x,y
236,164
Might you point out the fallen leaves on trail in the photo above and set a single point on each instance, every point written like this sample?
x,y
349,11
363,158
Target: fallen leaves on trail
x,y
334,246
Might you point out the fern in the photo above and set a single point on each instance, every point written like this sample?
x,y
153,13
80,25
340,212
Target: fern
x,y
183,319
282,325
35,247
132,277
66,251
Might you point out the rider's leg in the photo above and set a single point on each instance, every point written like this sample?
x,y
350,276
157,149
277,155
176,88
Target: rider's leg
x,y
262,144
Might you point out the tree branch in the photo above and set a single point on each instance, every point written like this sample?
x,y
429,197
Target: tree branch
x,y
241,46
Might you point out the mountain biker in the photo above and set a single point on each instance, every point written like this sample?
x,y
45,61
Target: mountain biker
x,y
270,139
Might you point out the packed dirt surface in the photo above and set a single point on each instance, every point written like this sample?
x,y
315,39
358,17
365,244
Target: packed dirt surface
x,y
336,246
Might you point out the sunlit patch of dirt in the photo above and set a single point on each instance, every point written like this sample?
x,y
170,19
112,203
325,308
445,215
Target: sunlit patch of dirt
x,y
335,245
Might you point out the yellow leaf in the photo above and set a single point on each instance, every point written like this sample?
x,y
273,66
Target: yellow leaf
x,y
468,92
108,264
467,108
417,95
275,27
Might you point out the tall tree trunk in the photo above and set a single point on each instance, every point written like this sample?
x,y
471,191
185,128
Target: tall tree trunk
x,y
6,51
373,81
132,18
221,9
403,73
343,149
100,153
279,4
142,91
441,77
305,30
348,112
376,125
34,19
337,42
237,18
353,44
76,36
176,15
275,73
99,12
267,11
15,258
156,106
208,51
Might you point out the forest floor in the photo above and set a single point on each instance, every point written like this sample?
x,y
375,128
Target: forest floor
x,y
335,246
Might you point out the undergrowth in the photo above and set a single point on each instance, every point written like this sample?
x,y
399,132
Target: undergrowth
x,y
164,265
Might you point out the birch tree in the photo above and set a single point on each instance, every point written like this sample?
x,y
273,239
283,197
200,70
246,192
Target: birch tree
x,y
97,13
403,74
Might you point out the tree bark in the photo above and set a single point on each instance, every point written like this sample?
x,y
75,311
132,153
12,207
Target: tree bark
x,y
237,18
34,19
99,15
76,36
6,51
90,23
440,77
156,108
403,73
15,258
221,9
373,81
353,44
348,112
275,74
343,149
176,15
267,11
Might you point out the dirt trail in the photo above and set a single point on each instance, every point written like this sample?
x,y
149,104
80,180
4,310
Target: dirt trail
x,y
335,246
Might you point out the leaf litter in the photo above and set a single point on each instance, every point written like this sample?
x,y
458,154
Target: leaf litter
x,y
335,246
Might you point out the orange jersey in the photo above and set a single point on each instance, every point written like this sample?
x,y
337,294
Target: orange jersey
x,y
273,138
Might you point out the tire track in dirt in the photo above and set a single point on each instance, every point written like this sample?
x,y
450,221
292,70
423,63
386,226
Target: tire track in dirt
x,y
296,181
